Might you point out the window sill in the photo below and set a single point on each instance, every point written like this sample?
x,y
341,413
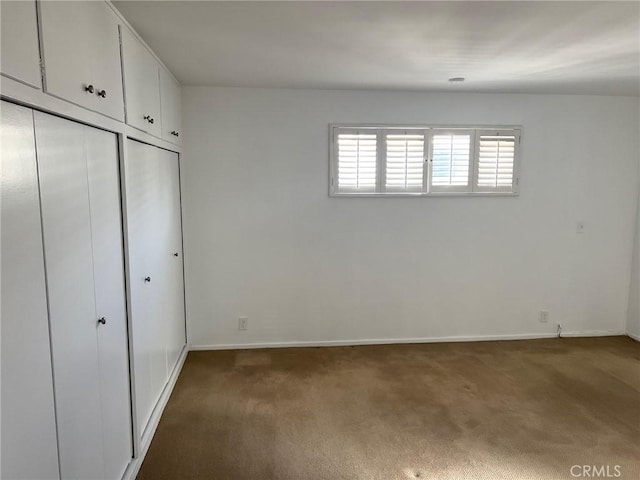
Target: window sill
x,y
424,195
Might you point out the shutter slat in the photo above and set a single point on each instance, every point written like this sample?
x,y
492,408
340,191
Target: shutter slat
x,y
496,154
404,162
357,162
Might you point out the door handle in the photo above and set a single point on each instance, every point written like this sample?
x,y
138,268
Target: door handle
x,y
147,279
175,254
89,88
102,93
102,321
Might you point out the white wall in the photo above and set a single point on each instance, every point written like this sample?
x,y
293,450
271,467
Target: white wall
x,y
633,315
264,239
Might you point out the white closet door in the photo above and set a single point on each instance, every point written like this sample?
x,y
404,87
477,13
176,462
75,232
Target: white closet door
x,y
106,229
70,281
28,414
174,281
145,242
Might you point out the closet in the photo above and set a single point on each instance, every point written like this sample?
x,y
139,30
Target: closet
x,y
93,313
62,251
154,228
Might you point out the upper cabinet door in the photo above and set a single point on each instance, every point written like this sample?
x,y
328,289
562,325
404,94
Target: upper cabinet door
x,y
81,55
141,85
20,55
171,108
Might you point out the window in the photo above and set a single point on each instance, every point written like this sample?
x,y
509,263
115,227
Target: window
x,y
394,160
357,167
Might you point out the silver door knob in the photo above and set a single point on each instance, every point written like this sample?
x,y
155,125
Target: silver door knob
x,y
102,321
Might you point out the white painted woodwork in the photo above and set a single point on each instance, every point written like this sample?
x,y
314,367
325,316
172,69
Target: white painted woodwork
x,y
80,47
141,85
171,108
28,413
66,220
20,53
172,224
108,262
142,193
78,169
157,306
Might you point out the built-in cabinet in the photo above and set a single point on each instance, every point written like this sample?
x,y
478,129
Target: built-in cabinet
x,y
141,85
89,342
28,433
20,58
81,55
92,59
171,108
156,270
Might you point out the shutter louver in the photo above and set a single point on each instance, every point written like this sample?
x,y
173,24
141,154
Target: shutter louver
x,y
357,162
451,154
496,154
404,162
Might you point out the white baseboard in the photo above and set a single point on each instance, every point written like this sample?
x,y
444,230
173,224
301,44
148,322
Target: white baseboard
x,y
134,466
594,333
385,341
635,337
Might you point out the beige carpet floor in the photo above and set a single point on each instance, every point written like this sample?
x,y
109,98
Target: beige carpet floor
x,y
490,410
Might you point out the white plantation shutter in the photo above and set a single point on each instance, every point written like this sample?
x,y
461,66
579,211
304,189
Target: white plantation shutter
x,y
404,161
390,160
451,161
356,161
495,170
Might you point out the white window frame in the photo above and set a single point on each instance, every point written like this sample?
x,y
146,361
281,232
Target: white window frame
x,y
429,130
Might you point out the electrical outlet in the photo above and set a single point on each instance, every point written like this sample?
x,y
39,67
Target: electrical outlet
x,y
543,316
243,323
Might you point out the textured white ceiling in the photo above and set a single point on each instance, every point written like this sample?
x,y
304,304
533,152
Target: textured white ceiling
x,y
525,47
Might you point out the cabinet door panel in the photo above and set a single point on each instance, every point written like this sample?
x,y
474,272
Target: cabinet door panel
x,y
28,414
67,232
106,230
142,85
81,48
20,56
174,281
143,197
66,51
171,108
105,60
